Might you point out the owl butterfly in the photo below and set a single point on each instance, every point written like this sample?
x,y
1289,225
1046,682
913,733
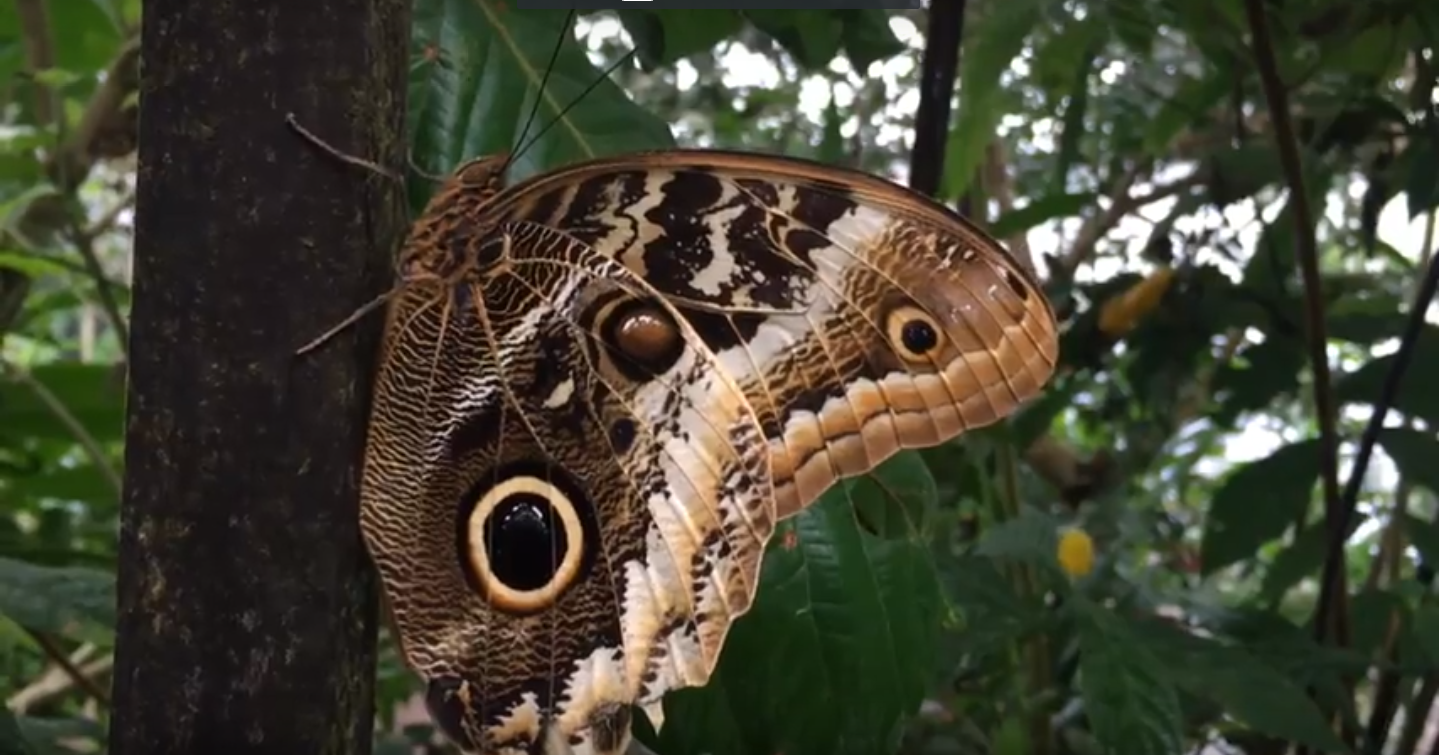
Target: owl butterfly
x,y
602,387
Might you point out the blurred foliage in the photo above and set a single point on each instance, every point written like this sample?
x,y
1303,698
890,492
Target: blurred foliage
x,y
1129,566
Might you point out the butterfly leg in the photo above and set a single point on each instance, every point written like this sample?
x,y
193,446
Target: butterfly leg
x,y
359,162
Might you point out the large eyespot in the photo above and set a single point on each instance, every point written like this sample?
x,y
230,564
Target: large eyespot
x,y
524,542
915,335
645,338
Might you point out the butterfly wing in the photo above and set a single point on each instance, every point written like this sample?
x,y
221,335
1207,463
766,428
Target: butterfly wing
x,y
603,387
806,281
566,498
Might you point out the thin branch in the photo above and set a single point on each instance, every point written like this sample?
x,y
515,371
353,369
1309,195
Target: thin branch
x,y
105,105
107,221
85,244
55,682
938,67
1121,203
39,55
1408,344
60,658
71,423
1307,252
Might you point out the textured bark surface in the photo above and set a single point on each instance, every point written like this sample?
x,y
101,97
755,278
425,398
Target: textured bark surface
x,y
246,599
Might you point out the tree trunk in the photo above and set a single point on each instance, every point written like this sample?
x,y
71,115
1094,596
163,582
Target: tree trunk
x,y
246,598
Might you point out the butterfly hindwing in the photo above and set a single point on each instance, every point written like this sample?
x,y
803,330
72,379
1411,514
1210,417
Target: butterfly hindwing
x,y
602,387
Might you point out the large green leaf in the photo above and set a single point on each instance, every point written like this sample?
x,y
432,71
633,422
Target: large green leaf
x,y
1131,704
12,740
1415,453
1414,397
1250,690
814,37
1425,537
479,65
835,654
665,36
57,600
988,53
59,736
1257,503
1301,558
1191,103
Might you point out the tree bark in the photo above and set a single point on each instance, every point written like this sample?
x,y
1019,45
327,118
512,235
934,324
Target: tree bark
x,y
246,598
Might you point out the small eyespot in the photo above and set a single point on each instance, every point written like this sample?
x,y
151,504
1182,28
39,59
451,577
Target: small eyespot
x,y
913,332
644,335
1015,283
622,435
523,544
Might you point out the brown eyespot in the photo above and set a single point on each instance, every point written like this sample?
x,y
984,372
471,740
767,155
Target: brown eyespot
x,y
523,543
914,333
644,336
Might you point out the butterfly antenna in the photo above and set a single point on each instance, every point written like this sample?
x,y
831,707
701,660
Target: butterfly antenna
x,y
599,80
540,92
354,317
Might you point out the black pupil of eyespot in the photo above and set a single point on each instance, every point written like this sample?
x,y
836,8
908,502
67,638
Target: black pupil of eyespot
x,y
622,435
919,336
525,542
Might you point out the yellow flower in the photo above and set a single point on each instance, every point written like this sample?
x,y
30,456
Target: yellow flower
x,y
1119,314
1076,552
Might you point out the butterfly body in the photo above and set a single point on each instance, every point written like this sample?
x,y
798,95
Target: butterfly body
x,y
601,389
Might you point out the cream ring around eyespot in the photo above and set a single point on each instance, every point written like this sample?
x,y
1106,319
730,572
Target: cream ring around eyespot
x,y
906,317
499,594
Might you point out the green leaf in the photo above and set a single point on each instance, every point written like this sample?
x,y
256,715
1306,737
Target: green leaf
x,y
56,736
1422,186
986,59
991,613
812,37
1239,172
12,740
1415,453
1414,397
1192,102
474,88
1257,503
866,37
90,392
896,499
1248,689
1425,537
1131,705
831,146
665,36
1372,611
68,482
57,600
1426,631
1261,375
32,265
1299,559
1039,211
833,657
1031,537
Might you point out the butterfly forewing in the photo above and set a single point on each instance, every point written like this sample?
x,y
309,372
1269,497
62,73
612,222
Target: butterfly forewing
x,y
602,387
804,281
